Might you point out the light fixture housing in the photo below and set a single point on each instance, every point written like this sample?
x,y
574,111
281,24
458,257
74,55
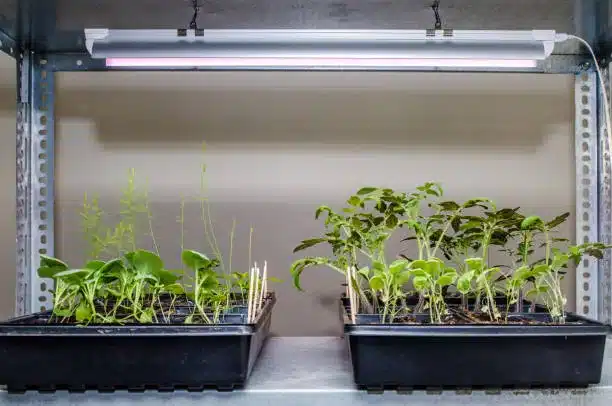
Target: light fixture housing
x,y
319,49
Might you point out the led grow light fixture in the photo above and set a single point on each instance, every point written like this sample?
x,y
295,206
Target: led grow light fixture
x,y
312,49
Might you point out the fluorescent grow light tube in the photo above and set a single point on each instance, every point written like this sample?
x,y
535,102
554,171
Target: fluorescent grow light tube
x,y
311,49
279,63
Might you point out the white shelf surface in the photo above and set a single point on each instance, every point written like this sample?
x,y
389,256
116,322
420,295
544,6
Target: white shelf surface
x,y
300,371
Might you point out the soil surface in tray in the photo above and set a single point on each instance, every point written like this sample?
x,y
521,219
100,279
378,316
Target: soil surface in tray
x,y
166,312
459,316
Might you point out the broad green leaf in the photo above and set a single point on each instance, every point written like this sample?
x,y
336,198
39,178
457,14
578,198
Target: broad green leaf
x,y
366,191
309,243
464,282
530,222
434,267
522,273
419,273
49,272
146,316
83,313
540,270
47,261
377,283
95,264
194,260
403,277
73,275
147,260
421,283
447,279
474,264
378,267
418,264
114,266
165,277
398,266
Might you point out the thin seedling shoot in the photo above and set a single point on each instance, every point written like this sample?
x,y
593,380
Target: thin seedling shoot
x,y
123,284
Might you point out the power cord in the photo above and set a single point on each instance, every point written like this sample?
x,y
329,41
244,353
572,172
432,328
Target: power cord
x,y
565,37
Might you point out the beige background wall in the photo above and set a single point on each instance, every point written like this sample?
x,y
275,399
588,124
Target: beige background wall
x,y
7,185
279,144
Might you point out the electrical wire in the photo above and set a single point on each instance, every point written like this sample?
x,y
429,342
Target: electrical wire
x,y
193,25
563,37
436,9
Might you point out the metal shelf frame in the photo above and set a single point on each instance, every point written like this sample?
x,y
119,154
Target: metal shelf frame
x,y
31,31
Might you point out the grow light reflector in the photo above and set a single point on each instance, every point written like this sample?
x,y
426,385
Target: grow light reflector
x,y
311,49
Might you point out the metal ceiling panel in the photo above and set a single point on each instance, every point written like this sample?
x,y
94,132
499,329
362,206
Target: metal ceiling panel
x,y
59,24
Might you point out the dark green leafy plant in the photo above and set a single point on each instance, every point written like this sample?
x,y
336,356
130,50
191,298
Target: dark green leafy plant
x,y
464,234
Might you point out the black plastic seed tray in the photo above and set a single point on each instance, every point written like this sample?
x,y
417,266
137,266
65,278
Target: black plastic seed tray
x,y
133,357
475,356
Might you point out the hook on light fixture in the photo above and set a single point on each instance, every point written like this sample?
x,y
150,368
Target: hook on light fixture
x,y
436,9
193,25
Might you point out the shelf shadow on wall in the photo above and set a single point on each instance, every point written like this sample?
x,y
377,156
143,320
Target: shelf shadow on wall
x,y
341,117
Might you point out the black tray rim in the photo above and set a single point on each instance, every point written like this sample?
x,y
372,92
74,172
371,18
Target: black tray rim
x,y
138,330
589,328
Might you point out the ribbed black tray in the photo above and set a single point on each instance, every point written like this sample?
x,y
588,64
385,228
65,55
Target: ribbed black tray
x,y
479,356
133,357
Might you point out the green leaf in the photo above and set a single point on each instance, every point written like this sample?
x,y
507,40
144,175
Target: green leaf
x,y
175,288
419,263
354,201
83,313
111,267
522,273
474,264
366,191
365,272
272,279
530,222
194,260
48,272
392,221
298,267
557,221
449,206
73,275
447,279
165,277
146,317
309,243
50,262
434,267
464,282
403,277
377,283
419,273
147,260
378,267
322,209
421,283
95,264
398,266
